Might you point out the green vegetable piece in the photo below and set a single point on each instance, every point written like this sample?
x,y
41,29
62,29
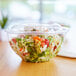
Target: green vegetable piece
x,y
29,49
41,54
35,60
47,49
50,38
27,36
42,36
18,39
30,43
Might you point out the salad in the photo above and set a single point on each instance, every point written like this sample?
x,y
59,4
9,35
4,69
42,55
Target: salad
x,y
38,47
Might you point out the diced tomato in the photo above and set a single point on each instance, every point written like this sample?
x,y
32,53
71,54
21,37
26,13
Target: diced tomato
x,y
10,43
14,40
42,44
36,37
47,42
55,47
21,49
25,54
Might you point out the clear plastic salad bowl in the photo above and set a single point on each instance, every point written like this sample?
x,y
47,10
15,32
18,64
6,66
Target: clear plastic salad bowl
x,y
36,42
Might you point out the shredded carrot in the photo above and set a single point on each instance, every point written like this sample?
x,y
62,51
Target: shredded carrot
x,y
36,37
20,49
50,46
42,44
37,41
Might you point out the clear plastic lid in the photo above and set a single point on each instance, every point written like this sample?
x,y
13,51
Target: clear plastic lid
x,y
35,28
